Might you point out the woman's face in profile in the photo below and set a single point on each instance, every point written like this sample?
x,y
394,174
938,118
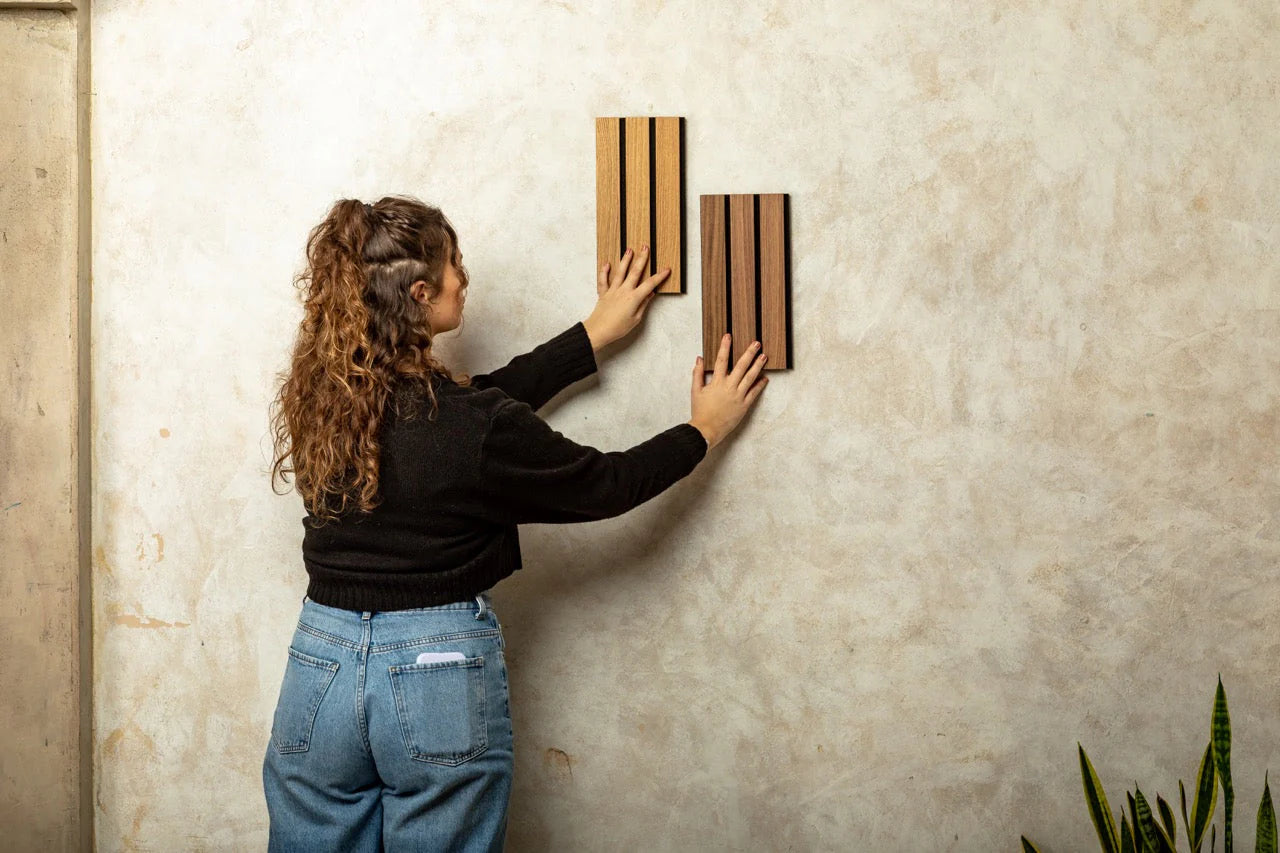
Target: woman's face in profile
x,y
445,311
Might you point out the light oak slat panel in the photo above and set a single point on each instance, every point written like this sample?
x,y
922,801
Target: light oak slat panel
x,y
668,201
636,145
715,320
608,193
774,305
742,272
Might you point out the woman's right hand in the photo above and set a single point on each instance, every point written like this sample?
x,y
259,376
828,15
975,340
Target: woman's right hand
x,y
720,404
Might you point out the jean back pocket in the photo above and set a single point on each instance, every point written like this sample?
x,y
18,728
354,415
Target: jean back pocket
x,y
441,706
306,679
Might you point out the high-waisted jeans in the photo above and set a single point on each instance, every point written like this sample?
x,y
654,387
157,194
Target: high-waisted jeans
x,y
371,750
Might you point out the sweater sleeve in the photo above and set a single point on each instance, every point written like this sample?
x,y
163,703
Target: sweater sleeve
x,y
537,376
531,473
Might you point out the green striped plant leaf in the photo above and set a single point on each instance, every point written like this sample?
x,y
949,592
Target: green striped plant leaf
x,y
1170,823
1222,760
1028,847
1146,823
1139,844
1182,798
1126,835
1096,799
1266,835
1206,799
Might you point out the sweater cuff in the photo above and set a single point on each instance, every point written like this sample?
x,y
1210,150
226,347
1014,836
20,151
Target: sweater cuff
x,y
570,356
691,443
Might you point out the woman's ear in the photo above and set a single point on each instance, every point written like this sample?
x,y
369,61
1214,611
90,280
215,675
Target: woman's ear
x,y
418,290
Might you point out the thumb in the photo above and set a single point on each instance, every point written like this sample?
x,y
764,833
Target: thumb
x,y
697,372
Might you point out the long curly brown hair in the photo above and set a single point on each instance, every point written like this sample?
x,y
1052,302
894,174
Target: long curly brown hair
x,y
361,334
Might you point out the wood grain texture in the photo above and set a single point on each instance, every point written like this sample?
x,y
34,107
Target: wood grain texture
x,y
668,202
608,193
742,272
774,305
715,320
636,145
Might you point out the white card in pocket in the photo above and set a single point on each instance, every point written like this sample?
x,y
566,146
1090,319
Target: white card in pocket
x,y
437,657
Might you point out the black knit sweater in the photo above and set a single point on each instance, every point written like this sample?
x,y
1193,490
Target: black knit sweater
x,y
452,489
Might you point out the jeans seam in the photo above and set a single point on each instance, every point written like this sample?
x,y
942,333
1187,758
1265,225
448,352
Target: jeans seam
x,y
325,635
390,647
361,669
428,641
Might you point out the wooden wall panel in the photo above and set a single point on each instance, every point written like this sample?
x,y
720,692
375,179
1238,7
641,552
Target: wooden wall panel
x,y
668,201
746,278
640,192
715,316
742,273
775,299
608,192
635,143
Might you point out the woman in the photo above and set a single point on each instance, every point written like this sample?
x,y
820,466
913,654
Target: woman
x,y
392,729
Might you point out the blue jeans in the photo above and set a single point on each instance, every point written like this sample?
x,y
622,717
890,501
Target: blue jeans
x,y
371,750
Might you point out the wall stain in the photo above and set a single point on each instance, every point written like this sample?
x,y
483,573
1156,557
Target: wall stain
x,y
100,560
560,764
129,620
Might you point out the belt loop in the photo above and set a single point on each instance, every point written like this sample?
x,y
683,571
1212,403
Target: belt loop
x,y
484,607
366,614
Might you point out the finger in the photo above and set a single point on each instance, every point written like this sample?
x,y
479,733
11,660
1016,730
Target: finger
x,y
653,282
722,358
755,390
752,372
638,267
644,303
740,368
620,269
699,373
602,280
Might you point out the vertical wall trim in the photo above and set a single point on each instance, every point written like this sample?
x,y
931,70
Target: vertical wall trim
x,y
85,421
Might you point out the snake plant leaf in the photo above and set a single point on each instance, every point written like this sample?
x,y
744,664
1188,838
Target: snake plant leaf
x,y
1266,836
1096,799
1182,798
1139,845
1222,760
1206,799
1146,823
1127,844
1170,823
1028,847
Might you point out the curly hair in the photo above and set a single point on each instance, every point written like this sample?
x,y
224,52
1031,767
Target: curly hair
x,y
362,333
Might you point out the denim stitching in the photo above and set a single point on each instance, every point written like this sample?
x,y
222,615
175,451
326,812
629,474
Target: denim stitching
x,y
428,641
390,647
304,742
325,635
476,663
360,675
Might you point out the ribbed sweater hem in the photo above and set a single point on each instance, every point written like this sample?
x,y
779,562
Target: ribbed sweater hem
x,y
359,589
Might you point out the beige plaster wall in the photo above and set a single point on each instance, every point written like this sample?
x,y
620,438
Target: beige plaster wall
x,y
40,495
1020,489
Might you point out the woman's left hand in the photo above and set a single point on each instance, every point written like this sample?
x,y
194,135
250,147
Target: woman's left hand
x,y
623,297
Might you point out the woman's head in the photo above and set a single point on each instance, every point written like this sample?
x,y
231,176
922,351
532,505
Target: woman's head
x,y
381,281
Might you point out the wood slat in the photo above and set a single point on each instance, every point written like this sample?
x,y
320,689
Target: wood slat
x,y
715,321
668,201
636,145
742,272
608,193
774,306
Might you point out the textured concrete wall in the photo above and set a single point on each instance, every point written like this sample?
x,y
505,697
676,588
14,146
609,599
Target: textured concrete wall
x,y
39,491
1019,491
